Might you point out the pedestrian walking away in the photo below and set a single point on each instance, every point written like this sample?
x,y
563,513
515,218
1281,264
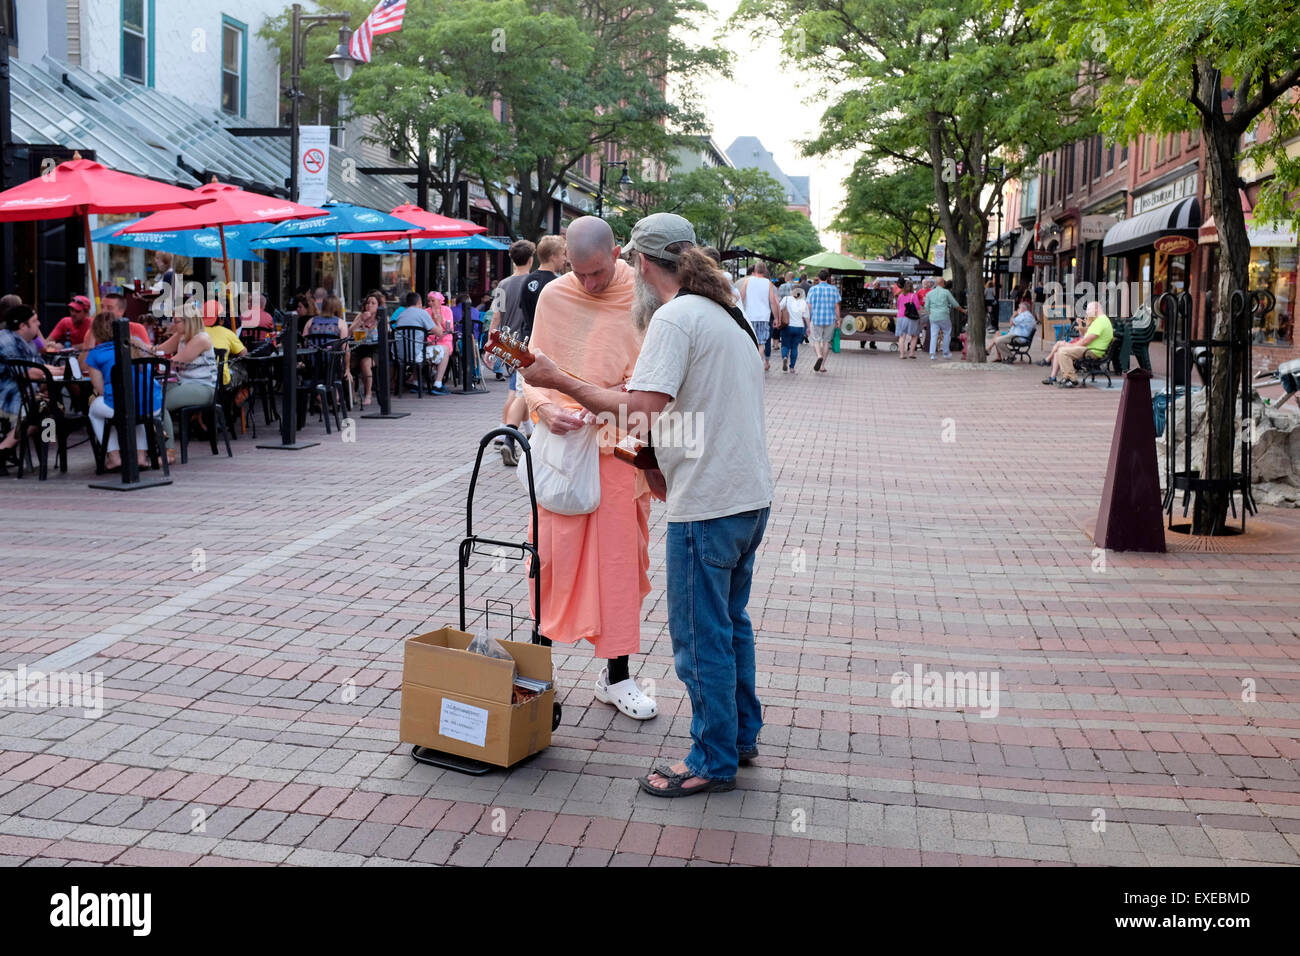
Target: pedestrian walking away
x,y
759,302
823,316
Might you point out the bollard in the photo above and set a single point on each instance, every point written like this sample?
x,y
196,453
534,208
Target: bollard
x,y
383,385
1131,517
124,416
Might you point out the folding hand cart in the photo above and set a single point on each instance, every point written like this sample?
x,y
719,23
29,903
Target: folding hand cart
x,y
472,544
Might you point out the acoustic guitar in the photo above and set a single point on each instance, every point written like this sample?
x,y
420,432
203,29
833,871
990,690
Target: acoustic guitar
x,y
513,351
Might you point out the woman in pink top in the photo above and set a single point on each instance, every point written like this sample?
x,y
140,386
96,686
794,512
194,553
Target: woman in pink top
x,y
443,323
908,323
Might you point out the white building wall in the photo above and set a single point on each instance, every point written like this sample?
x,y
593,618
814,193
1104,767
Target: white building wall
x,y
187,49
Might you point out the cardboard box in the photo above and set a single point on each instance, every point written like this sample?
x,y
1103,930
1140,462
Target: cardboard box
x,y
459,702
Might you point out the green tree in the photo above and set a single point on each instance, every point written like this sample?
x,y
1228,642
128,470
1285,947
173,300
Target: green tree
x,y
616,94
724,203
888,211
567,77
1222,67
969,91
790,238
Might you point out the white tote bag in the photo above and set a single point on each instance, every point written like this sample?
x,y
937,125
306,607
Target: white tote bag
x,y
566,470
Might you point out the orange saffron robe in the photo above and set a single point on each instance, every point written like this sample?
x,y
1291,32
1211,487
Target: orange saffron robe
x,y
593,566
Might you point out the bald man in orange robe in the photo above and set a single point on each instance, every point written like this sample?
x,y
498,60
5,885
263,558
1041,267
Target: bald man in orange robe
x,y
593,566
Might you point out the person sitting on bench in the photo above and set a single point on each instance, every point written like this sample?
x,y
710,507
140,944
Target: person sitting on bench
x,y
1095,341
1023,325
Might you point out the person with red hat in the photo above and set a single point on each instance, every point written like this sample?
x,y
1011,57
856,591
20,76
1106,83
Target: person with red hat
x,y
71,329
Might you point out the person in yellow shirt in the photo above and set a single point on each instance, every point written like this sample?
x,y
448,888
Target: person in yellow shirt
x,y
1095,341
223,338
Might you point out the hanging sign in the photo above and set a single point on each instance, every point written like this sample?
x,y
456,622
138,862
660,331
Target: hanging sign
x,y
313,165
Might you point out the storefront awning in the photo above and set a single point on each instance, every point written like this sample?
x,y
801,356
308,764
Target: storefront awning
x,y
1270,235
1182,218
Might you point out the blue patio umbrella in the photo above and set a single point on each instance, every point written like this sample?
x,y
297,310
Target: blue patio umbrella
x,y
343,217
194,243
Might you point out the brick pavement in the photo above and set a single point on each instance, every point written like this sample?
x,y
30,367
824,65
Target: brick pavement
x,y
248,623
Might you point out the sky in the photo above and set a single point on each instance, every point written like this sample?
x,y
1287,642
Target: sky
x,y
768,99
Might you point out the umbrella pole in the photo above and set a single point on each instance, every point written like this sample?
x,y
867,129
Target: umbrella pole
x,y
410,253
225,265
90,262
338,272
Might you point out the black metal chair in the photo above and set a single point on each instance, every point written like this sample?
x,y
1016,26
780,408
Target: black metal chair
x,y
211,414
146,373
1019,346
319,371
253,336
408,357
38,413
1089,366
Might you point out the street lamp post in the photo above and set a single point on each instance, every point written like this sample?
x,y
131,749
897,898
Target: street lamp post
x,y
341,60
625,180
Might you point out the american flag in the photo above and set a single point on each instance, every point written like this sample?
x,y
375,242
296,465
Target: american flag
x,y
385,18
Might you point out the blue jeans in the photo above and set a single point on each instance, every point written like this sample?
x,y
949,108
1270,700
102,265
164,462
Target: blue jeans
x,y
710,570
940,327
790,340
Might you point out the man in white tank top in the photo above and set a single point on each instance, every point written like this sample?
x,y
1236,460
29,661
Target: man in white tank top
x,y
759,303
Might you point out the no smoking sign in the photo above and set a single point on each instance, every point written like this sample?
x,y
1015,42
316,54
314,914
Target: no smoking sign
x,y
313,160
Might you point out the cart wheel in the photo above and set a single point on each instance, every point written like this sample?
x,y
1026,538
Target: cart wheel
x,y
893,346
556,713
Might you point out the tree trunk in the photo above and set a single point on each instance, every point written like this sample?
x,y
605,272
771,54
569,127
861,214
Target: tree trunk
x,y
975,327
1211,512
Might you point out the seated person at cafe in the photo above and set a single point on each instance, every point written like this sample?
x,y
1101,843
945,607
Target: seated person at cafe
x,y
115,305
413,316
72,328
10,301
1094,341
223,338
257,316
17,338
195,363
329,321
1023,325
99,366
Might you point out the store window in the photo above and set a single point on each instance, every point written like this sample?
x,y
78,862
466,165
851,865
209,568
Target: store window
x,y
1096,158
1274,269
135,41
234,56
1110,158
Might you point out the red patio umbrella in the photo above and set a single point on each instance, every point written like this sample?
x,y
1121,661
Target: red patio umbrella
x,y
225,205
80,187
426,225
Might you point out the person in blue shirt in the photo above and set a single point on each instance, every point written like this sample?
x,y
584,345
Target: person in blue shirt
x,y
1023,325
99,366
21,328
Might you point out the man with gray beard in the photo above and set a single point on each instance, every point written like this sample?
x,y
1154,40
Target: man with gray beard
x,y
699,362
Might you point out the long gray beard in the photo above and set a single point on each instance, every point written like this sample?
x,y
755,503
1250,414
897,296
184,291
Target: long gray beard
x,y
646,301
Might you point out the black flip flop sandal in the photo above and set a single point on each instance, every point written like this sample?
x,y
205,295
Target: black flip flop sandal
x,y
675,781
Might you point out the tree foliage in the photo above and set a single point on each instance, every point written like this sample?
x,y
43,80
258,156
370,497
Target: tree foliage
x,y
790,237
520,90
887,212
725,203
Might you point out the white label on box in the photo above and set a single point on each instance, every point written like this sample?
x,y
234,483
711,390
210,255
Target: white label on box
x,y
463,722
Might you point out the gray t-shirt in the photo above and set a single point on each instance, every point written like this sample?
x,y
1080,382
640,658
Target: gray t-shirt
x,y
711,439
505,299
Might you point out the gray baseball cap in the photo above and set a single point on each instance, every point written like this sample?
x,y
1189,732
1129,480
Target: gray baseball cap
x,y
654,233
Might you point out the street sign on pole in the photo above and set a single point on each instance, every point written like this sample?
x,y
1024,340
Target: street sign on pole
x,y
313,165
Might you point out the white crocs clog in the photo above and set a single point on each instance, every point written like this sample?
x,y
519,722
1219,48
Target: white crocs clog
x,y
626,696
